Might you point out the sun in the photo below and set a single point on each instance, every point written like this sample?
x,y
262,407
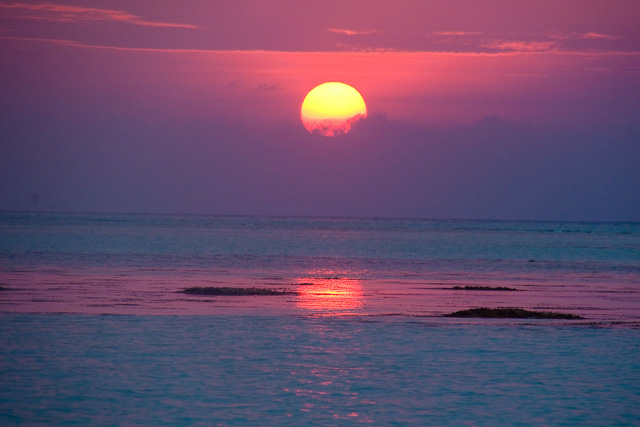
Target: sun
x,y
332,108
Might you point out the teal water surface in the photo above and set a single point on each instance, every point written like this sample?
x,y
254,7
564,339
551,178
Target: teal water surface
x,y
247,370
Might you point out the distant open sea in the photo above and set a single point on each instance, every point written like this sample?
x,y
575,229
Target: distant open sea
x,y
94,328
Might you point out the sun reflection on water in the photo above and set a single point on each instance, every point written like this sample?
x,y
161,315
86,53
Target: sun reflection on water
x,y
327,294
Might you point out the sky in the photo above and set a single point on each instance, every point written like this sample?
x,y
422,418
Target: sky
x,y
505,110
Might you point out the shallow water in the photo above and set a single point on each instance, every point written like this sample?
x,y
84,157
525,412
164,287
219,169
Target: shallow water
x,y
137,264
94,329
284,370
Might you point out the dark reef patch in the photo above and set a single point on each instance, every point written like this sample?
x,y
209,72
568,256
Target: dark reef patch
x,y
232,291
511,313
483,288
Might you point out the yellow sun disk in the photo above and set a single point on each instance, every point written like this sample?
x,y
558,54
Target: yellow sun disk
x,y
333,101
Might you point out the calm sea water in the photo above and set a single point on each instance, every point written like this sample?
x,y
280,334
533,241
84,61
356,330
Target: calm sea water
x,y
136,264
359,339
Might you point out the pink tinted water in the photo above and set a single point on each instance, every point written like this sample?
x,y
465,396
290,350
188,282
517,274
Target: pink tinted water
x,y
89,290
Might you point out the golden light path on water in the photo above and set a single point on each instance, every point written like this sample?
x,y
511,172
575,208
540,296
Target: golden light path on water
x,y
327,294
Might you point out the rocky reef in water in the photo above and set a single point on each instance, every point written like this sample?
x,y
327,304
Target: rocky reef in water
x,y
483,288
511,313
233,291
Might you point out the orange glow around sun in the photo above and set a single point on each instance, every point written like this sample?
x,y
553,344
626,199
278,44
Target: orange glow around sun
x,y
331,109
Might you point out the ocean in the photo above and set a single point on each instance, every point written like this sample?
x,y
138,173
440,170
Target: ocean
x,y
95,328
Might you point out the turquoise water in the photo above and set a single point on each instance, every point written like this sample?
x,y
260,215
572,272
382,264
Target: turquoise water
x,y
136,264
208,370
374,243
94,329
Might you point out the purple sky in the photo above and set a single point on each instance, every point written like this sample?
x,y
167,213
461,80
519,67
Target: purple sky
x,y
477,109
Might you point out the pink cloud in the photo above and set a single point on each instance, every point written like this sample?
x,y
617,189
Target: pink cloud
x,y
74,43
351,32
506,48
599,36
521,46
456,33
64,13
583,36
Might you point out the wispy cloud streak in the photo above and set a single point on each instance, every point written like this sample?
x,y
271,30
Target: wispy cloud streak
x,y
599,36
351,32
63,13
456,33
501,49
521,46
